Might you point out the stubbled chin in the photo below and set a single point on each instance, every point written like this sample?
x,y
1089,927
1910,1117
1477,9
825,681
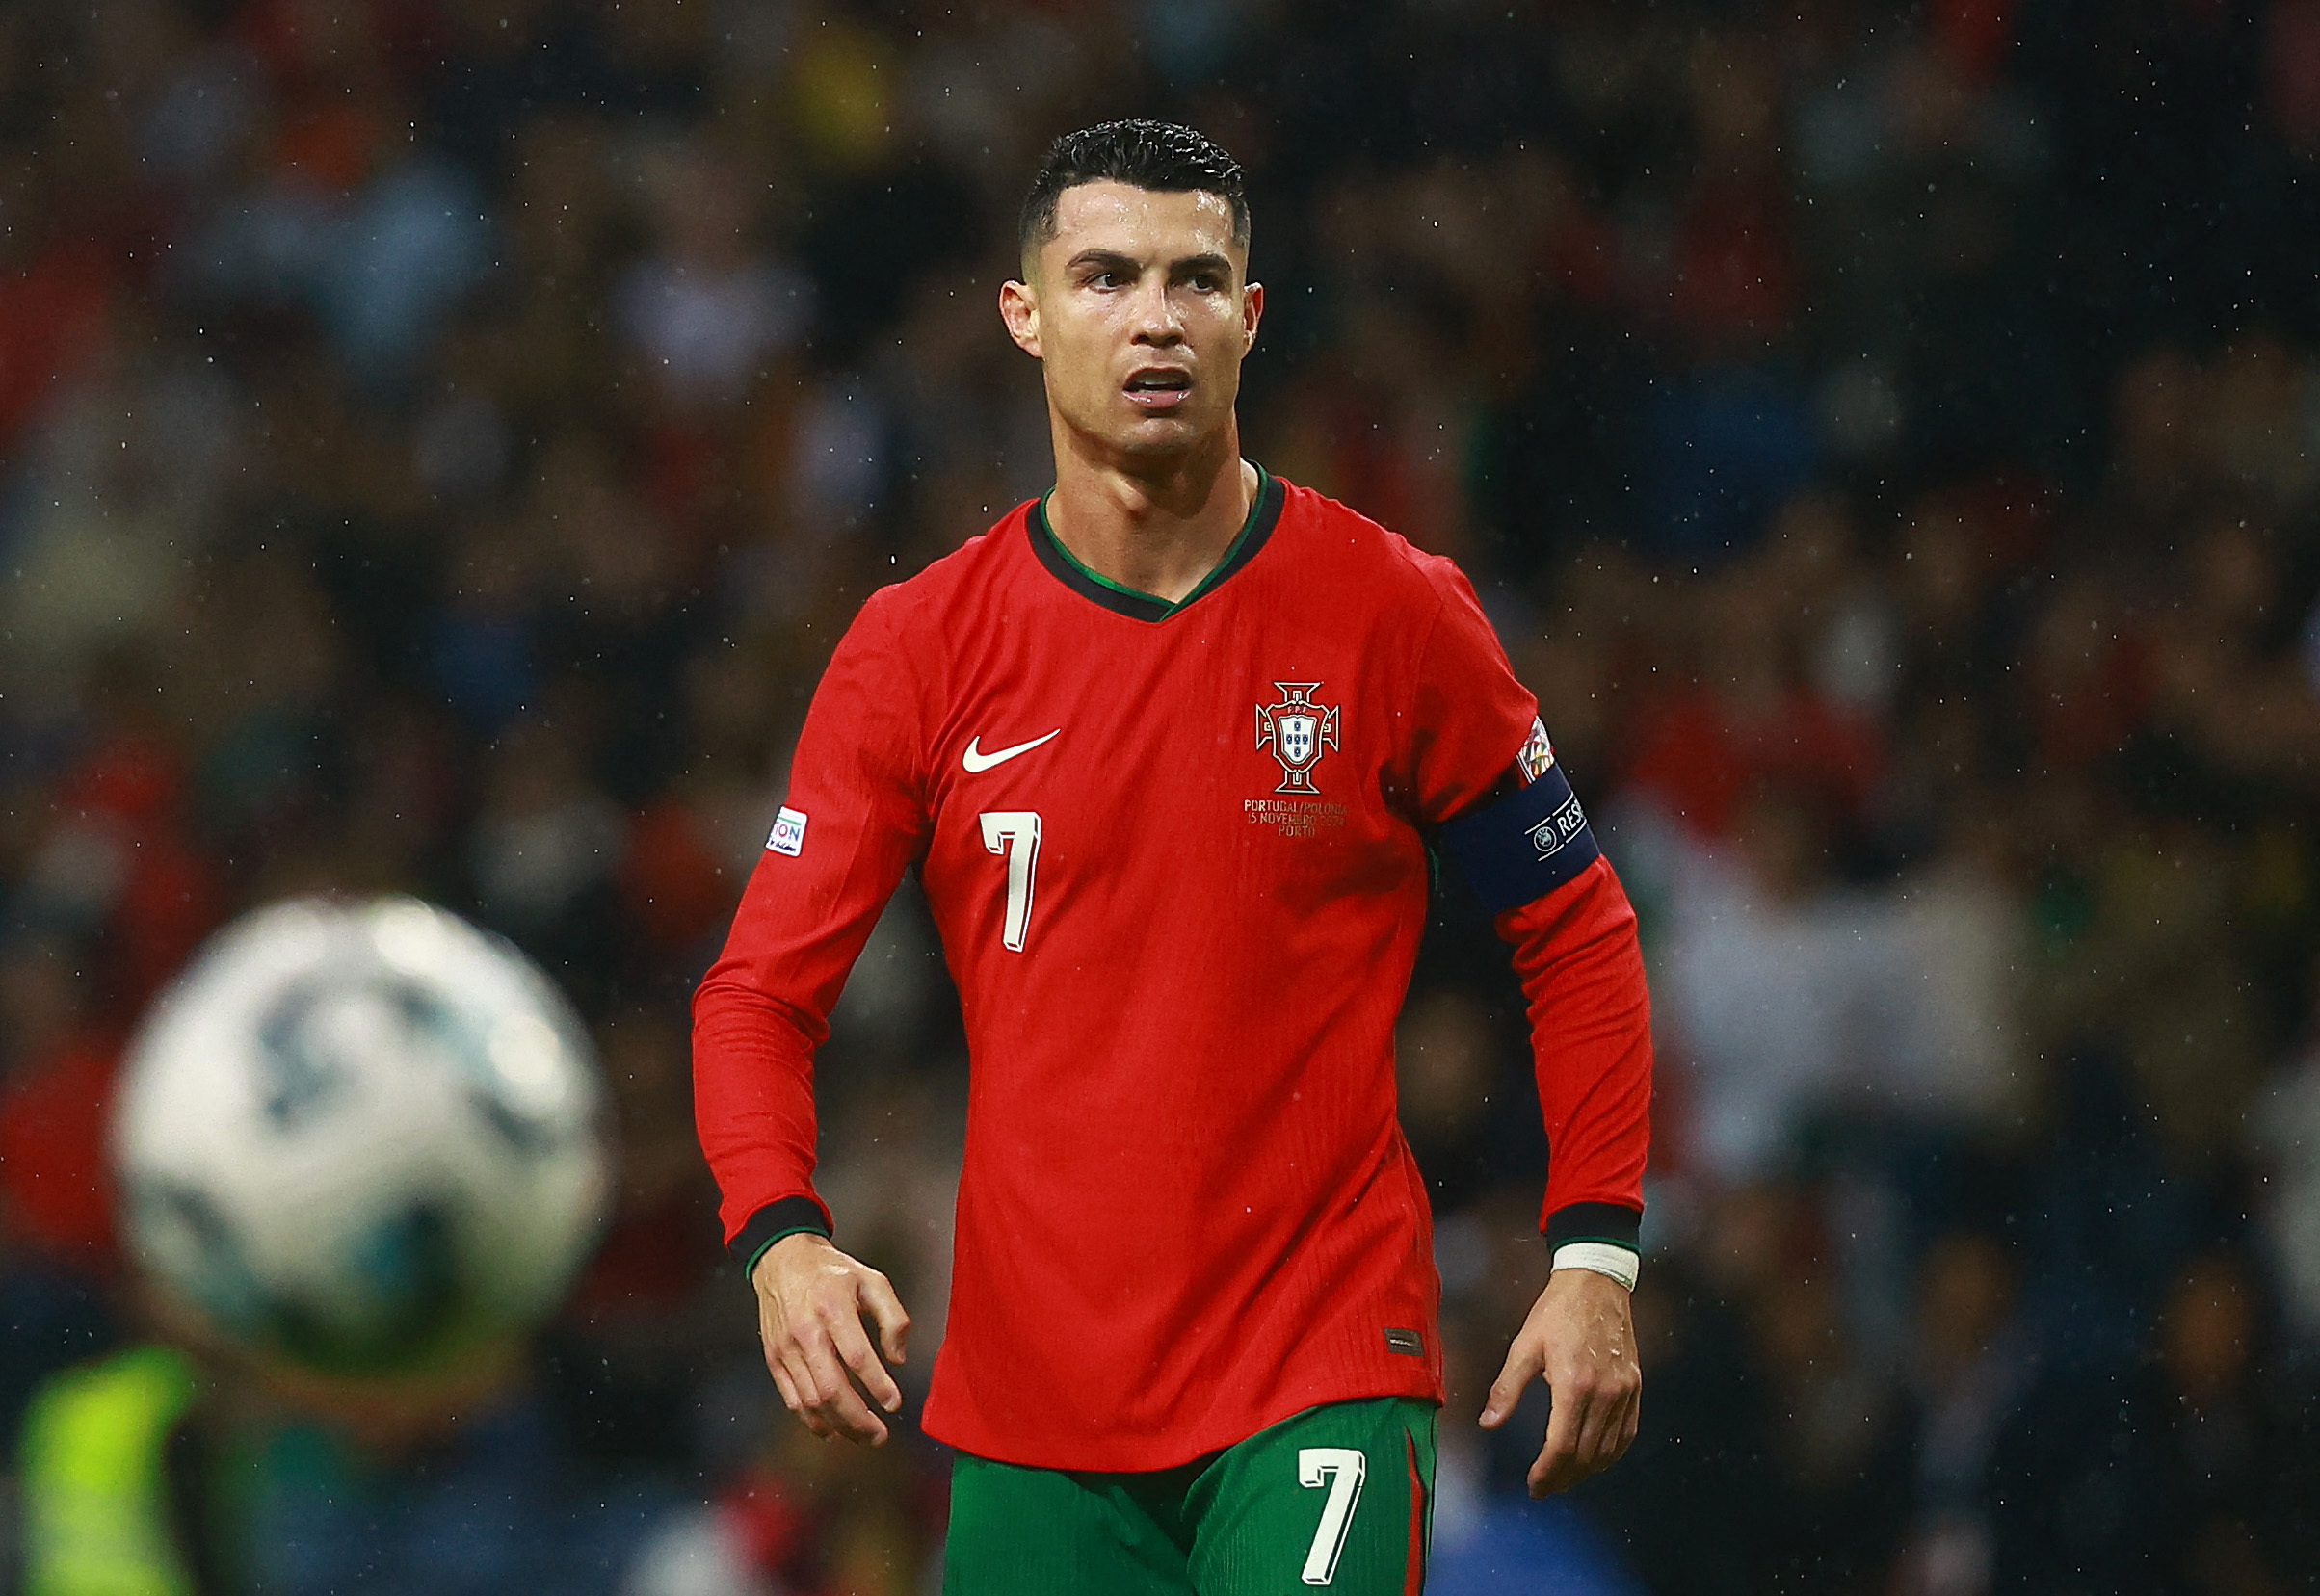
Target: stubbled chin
x,y
1152,439
1147,433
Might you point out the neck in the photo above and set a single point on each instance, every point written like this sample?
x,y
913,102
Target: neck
x,y
1158,526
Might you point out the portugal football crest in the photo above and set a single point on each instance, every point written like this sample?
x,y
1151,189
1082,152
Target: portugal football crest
x,y
1298,730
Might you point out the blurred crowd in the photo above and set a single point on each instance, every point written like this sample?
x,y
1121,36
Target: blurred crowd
x,y
440,439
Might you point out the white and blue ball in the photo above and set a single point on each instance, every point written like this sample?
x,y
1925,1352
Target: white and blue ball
x,y
361,1138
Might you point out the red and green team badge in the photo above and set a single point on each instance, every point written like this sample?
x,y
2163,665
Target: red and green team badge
x,y
1298,730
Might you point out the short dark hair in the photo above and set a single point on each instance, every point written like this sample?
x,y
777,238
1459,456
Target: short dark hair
x,y
1161,156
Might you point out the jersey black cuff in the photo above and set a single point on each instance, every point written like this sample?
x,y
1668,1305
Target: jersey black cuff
x,y
1614,1223
773,1221
1518,849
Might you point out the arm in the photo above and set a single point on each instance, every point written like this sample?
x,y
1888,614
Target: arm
x,y
1525,846
855,818
1590,1027
754,1103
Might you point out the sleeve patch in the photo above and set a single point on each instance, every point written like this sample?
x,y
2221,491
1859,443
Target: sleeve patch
x,y
789,833
1525,845
1538,754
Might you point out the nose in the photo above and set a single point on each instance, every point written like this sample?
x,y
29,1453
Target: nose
x,y
1156,321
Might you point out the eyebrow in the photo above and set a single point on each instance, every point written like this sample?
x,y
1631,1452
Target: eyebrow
x,y
1105,259
1113,260
1191,264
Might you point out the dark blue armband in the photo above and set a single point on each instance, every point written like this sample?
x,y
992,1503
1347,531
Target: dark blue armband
x,y
1516,849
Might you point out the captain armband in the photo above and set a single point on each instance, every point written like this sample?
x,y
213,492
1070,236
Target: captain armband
x,y
1518,849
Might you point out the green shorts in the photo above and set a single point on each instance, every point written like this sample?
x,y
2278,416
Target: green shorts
x,y
1338,1498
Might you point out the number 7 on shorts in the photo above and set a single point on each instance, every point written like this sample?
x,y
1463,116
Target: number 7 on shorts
x,y
1340,1469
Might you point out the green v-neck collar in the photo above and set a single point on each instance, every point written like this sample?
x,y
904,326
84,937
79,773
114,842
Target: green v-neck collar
x,y
1263,515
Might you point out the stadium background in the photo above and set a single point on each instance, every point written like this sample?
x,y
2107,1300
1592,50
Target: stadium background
x,y
439,440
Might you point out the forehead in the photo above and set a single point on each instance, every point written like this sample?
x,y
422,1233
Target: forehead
x,y
1145,223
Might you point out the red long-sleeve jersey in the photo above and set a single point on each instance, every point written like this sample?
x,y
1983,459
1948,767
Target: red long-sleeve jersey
x,y
1177,856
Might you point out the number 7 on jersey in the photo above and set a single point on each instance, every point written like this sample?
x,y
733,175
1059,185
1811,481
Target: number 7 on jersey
x,y
1015,833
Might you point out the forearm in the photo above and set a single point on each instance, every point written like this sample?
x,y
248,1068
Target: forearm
x,y
1582,972
753,1098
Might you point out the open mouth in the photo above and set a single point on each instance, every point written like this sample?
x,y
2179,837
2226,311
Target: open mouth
x,y
1158,388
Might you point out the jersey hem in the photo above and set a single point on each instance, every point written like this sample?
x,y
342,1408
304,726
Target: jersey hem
x,y
1159,1455
1199,1458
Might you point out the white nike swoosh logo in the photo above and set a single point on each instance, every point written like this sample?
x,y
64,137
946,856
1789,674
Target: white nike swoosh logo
x,y
977,761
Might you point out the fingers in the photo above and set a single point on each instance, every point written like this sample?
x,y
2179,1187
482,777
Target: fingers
x,y
811,1320
854,1350
1555,1468
783,1384
833,1396
1524,1364
886,1310
1592,1422
1600,1426
787,1384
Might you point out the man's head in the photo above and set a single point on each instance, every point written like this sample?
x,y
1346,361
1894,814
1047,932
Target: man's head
x,y
1159,156
1135,293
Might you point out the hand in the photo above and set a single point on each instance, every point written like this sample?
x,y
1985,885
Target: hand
x,y
811,1301
1582,1338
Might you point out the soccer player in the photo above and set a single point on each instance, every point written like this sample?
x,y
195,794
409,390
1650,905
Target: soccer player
x,y
1168,749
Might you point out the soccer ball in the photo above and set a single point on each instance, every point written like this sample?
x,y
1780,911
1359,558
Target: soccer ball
x,y
360,1138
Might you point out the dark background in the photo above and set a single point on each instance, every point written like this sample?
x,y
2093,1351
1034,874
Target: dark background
x,y
441,441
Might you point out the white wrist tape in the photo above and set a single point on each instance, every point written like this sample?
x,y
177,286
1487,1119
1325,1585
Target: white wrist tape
x,y
1603,1257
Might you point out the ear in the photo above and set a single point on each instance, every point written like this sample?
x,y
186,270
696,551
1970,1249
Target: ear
x,y
1252,311
1020,309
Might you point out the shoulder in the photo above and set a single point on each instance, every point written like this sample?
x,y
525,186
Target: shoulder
x,y
924,602
1373,553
